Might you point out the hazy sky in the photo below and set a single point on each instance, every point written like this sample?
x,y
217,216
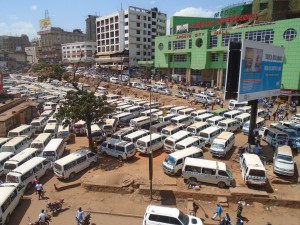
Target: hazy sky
x,y
22,16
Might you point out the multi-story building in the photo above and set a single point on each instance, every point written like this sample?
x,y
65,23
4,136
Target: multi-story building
x,y
31,54
14,43
200,53
49,49
79,51
133,29
91,28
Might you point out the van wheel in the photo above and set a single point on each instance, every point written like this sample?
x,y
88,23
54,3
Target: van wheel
x,y
92,164
104,153
192,180
72,175
7,219
120,158
221,185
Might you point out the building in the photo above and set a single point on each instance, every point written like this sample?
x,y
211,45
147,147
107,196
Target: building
x,y
49,49
201,54
78,51
31,56
133,29
14,43
91,28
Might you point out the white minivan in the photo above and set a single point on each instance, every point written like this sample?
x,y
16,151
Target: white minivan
x,y
230,125
283,162
170,142
16,145
189,142
4,156
195,128
144,146
22,130
182,119
222,144
39,124
54,149
209,134
41,141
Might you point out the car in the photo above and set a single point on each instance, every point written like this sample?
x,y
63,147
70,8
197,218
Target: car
x,y
165,91
182,94
211,93
154,89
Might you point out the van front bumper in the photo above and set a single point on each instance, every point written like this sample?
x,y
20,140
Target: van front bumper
x,y
284,172
218,153
168,171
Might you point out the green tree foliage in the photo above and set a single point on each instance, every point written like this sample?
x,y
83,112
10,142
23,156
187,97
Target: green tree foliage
x,y
84,105
58,71
39,66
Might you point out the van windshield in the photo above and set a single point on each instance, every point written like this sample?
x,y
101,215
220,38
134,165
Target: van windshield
x,y
9,166
204,135
166,132
49,153
286,158
37,145
58,167
221,124
183,218
170,160
13,134
257,173
35,124
7,149
11,179
142,144
114,136
217,145
179,147
190,129
169,142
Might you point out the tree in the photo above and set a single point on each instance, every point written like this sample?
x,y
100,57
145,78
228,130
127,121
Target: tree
x,y
84,105
58,72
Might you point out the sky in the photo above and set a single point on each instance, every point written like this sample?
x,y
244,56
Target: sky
x,y
22,16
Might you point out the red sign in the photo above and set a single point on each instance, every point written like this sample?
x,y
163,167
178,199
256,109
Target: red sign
x,y
1,82
230,19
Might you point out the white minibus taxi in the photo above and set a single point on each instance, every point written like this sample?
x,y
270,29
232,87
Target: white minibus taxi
x,y
144,146
39,124
209,134
234,104
231,114
213,121
54,149
110,126
274,137
23,130
260,122
64,133
97,134
175,110
11,194
170,142
120,134
47,113
4,156
140,121
198,112
122,107
24,174
19,159
182,119
171,129
242,119
195,128
16,145
156,115
133,137
203,117
149,112
186,111
230,125
117,148
166,118
136,110
68,166
41,141
222,144
245,109
3,141
153,105
189,142
51,128
173,163
80,128
124,117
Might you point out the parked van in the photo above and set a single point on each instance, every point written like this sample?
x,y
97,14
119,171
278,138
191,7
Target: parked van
x,y
4,156
292,134
149,112
189,142
230,125
68,166
47,113
198,112
54,150
222,144
231,114
20,158
159,215
176,109
3,141
124,118
182,119
166,107
157,128
122,108
186,112
253,170
140,121
209,134
242,119
133,137
156,115
52,105
113,80
245,109
166,118
195,128
207,171
160,85
260,122
51,128
23,130
16,145
120,134
173,163
64,133
283,162
144,146
234,104
153,105
171,129
41,141
202,98
11,194
170,142
80,128
136,110
39,124
203,117
24,174
120,149
52,119
213,121
262,113
141,103
97,134
110,126
292,125
219,112
274,137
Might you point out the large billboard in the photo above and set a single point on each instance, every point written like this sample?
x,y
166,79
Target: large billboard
x,y
260,70
45,24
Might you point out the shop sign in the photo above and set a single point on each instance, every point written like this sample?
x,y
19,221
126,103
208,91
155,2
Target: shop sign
x,y
183,36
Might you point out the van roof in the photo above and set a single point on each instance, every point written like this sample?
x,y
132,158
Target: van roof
x,y
110,121
27,165
225,135
173,126
211,164
205,115
210,129
4,155
53,144
50,126
253,160
179,117
150,136
71,157
137,133
243,115
15,141
187,109
41,137
117,142
188,140
179,107
20,128
160,210
39,119
285,149
228,120
26,152
4,140
179,134
200,111
233,112
80,122
216,118
141,118
62,128
6,189
186,152
124,130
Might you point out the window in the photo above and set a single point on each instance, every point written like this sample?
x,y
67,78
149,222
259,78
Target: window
x,y
81,159
161,46
138,17
138,53
213,41
209,171
138,24
179,44
190,43
264,36
214,57
120,148
290,34
223,173
137,32
199,42
231,37
179,58
169,45
225,56
138,39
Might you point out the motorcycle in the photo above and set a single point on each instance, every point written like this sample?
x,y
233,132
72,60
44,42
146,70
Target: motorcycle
x,y
47,220
55,206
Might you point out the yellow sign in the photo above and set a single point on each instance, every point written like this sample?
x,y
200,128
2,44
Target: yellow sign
x,y
45,24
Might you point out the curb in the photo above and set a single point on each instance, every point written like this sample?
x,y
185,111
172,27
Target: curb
x,y
116,214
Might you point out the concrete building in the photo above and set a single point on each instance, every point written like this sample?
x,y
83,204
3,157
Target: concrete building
x,y
78,51
133,29
199,53
14,43
31,56
91,28
49,49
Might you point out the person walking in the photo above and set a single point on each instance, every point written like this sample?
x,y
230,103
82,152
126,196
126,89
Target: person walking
x,y
222,103
227,219
39,190
79,216
239,210
286,115
195,208
218,212
42,217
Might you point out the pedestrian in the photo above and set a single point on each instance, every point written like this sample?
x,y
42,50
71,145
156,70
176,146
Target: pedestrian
x,y
36,180
286,115
39,189
227,219
239,210
42,217
222,103
212,105
79,216
269,114
274,115
95,146
218,212
195,208
257,149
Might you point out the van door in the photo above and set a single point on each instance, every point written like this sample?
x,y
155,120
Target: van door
x,y
209,175
81,164
178,166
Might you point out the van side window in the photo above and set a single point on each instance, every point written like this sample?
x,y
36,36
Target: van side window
x,y
90,155
180,161
120,148
209,171
174,221
154,217
26,175
70,165
223,173
198,155
37,168
81,159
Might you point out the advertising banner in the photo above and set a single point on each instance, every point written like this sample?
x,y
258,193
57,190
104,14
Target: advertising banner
x,y
45,24
260,70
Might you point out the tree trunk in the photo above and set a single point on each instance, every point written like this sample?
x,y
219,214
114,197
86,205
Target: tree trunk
x,y
89,135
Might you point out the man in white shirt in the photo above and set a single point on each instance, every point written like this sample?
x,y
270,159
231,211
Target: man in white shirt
x,y
39,189
80,216
42,217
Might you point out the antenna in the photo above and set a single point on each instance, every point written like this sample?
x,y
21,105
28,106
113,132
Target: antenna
x,y
121,7
46,14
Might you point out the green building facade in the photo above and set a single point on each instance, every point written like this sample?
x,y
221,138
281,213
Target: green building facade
x,y
201,55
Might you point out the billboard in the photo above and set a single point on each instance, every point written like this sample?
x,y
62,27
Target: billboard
x,y
261,68
1,82
45,24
